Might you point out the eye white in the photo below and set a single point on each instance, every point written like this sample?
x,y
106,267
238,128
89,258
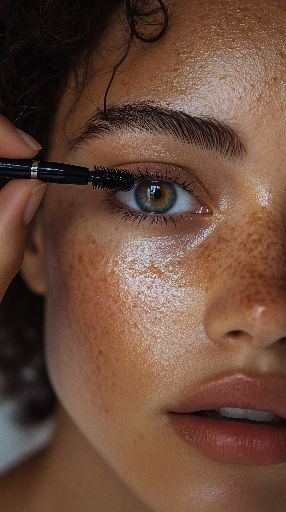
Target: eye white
x,y
185,201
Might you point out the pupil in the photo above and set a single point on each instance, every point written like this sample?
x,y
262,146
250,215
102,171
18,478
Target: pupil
x,y
155,192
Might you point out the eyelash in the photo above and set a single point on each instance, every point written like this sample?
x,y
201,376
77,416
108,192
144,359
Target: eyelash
x,y
128,214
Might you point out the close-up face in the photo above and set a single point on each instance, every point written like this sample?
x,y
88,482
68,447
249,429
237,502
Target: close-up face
x,y
149,295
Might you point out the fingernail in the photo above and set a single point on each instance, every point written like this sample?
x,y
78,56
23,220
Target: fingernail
x,y
32,143
34,203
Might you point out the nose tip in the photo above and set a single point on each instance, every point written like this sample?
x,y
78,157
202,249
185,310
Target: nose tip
x,y
243,317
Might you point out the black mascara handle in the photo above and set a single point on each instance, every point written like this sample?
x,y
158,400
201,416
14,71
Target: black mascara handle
x,y
53,172
63,173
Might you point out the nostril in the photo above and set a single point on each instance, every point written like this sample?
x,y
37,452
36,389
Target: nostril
x,y
234,334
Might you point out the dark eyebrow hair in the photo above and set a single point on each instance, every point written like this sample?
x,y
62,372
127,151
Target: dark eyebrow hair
x,y
205,133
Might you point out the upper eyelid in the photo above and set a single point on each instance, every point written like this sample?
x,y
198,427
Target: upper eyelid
x,y
159,176
171,179
147,171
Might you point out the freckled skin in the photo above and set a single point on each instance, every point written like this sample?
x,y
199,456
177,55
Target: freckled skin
x,y
135,316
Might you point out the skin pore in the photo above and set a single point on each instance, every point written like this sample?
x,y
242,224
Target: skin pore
x,y
138,315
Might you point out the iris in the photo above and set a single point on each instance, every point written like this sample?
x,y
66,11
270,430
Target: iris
x,y
155,197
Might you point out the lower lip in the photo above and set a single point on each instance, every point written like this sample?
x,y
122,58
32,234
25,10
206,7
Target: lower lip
x,y
232,441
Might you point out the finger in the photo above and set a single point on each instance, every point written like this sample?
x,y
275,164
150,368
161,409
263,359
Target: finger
x,y
19,200
14,143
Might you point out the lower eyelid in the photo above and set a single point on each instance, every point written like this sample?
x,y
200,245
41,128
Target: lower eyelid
x,y
125,214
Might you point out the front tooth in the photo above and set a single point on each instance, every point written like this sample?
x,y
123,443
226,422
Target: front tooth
x,y
249,414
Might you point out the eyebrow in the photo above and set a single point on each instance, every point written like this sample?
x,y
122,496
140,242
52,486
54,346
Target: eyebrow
x,y
206,133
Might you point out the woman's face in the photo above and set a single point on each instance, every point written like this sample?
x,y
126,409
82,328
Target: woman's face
x,y
141,309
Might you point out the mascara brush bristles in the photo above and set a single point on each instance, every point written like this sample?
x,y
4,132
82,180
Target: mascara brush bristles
x,y
115,179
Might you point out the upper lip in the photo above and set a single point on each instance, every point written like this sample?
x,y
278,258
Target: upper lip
x,y
244,391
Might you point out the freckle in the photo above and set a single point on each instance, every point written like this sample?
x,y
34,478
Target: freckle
x,y
100,352
80,258
153,269
115,300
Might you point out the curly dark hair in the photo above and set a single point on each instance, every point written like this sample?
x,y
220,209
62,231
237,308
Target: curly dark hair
x,y
41,43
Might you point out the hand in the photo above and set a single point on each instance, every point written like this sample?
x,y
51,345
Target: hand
x,y
19,200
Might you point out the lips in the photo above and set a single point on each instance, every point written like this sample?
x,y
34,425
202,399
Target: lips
x,y
244,391
233,441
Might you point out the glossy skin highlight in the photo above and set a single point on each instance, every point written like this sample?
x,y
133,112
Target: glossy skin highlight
x,y
138,316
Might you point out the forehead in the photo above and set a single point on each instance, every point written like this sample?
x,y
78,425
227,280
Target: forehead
x,y
242,37
225,59
235,46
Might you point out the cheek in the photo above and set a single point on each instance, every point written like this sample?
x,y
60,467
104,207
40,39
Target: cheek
x,y
121,316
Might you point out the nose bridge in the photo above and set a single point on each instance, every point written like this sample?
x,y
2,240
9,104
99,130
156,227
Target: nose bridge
x,y
248,298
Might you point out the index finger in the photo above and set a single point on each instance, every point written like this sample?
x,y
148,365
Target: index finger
x,y
12,143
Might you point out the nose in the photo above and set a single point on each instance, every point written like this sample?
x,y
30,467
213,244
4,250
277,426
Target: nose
x,y
247,302
242,314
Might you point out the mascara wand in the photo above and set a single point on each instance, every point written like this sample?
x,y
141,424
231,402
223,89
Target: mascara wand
x,y
54,172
